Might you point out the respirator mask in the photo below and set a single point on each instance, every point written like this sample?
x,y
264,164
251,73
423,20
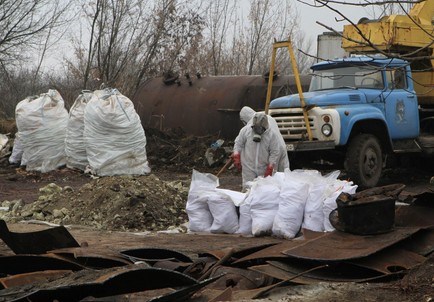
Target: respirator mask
x,y
257,133
260,125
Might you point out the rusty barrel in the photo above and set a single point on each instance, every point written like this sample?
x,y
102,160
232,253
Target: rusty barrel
x,y
206,105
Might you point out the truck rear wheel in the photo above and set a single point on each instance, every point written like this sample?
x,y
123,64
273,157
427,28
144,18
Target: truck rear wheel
x,y
364,160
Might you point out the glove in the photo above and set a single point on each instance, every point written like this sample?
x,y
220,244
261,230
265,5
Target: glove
x,y
269,170
236,157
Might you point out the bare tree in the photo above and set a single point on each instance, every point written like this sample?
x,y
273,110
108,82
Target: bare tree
x,y
133,40
269,21
23,25
27,31
219,15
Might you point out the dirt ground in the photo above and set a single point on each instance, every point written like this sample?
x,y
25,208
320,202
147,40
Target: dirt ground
x,y
149,204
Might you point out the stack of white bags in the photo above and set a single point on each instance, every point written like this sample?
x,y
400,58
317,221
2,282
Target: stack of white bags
x,y
102,133
279,205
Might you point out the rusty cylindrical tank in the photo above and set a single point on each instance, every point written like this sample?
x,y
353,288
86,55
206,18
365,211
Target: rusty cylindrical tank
x,y
206,105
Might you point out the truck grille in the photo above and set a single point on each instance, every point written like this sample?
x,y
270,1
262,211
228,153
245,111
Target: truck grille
x,y
291,123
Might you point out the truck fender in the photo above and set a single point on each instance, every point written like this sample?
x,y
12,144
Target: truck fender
x,y
362,119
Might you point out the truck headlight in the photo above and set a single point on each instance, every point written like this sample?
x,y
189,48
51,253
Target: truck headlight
x,y
327,129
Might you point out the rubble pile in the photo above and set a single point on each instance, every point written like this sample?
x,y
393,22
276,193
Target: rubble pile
x,y
133,203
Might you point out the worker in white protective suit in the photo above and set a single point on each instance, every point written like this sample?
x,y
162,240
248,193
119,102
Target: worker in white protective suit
x,y
259,148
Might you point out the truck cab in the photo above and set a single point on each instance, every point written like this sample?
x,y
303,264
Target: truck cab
x,y
360,108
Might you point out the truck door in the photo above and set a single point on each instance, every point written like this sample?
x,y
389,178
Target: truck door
x,y
401,107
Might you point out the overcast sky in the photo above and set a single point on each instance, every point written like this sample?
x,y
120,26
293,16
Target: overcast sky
x,y
309,15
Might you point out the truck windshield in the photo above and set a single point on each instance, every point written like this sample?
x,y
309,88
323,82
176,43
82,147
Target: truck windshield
x,y
347,77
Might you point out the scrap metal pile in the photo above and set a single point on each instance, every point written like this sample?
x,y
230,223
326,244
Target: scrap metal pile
x,y
51,265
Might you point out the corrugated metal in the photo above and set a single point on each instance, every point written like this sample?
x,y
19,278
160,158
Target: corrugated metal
x,y
210,105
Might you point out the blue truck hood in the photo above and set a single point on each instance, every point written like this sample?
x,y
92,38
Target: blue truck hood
x,y
324,98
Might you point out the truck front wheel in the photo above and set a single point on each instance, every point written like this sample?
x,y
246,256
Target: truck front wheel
x,y
364,160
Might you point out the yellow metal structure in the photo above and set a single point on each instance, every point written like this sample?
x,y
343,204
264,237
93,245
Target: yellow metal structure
x,y
287,44
409,35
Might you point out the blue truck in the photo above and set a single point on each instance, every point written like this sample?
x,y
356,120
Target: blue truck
x,y
360,109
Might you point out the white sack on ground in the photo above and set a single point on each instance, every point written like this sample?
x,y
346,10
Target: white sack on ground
x,y
41,122
293,195
114,136
75,148
264,204
245,220
334,189
199,215
313,218
224,213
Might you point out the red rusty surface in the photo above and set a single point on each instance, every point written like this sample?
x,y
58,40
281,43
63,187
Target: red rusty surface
x,y
339,246
281,274
210,105
272,252
310,275
421,243
414,216
390,261
34,277
106,283
38,242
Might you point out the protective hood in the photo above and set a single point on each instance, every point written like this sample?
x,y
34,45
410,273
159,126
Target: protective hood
x,y
246,114
260,120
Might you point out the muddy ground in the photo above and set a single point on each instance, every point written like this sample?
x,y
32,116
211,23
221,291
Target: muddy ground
x,y
130,211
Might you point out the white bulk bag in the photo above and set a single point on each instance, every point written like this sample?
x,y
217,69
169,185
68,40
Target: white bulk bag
x,y
199,215
114,136
75,148
264,204
224,213
313,218
293,195
41,122
245,220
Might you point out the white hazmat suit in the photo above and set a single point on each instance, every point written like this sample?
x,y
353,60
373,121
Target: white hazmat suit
x,y
257,156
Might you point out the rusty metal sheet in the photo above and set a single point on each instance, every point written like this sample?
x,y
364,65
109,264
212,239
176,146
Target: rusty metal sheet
x,y
225,295
272,252
237,253
154,255
336,272
33,277
38,242
238,278
414,216
172,265
281,274
20,264
184,293
339,246
421,243
425,198
92,257
102,283
199,267
210,105
391,260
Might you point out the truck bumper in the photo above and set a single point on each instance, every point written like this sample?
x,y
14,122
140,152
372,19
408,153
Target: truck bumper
x,y
309,145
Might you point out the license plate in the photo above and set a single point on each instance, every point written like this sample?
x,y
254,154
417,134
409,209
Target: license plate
x,y
290,147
